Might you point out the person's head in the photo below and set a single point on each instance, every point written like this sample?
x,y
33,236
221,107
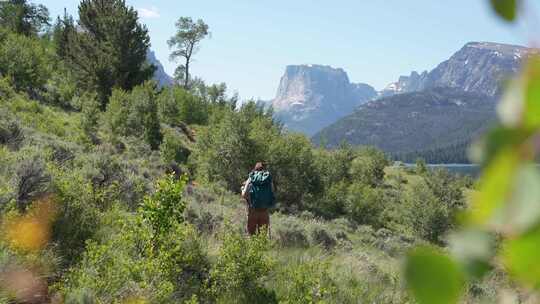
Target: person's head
x,y
260,166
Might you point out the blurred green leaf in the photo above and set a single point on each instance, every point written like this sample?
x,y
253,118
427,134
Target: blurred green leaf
x,y
473,249
531,112
495,186
507,9
510,108
499,139
433,278
523,211
521,257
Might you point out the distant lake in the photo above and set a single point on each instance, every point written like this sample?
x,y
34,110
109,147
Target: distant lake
x,y
462,169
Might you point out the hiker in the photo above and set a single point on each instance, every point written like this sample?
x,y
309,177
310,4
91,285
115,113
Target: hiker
x,y
258,191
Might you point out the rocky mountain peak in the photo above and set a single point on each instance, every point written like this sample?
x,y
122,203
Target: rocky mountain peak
x,y
477,67
160,76
311,97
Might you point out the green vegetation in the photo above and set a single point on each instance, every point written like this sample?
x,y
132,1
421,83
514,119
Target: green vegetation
x,y
119,192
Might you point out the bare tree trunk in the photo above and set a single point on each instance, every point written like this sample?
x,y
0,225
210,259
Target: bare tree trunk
x,y
186,77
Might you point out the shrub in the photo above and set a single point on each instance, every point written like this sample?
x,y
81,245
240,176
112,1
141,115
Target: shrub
x,y
429,217
334,201
291,160
365,205
121,267
61,89
90,115
135,114
177,106
24,60
306,282
11,132
368,166
30,180
78,214
182,256
289,232
241,270
164,208
225,153
173,148
320,236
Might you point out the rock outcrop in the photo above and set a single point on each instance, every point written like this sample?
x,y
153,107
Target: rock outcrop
x,y
479,67
311,97
160,76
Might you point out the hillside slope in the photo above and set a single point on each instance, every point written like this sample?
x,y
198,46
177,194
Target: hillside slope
x,y
414,121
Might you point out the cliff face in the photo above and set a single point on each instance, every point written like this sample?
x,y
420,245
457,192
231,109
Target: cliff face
x,y
160,76
311,97
478,67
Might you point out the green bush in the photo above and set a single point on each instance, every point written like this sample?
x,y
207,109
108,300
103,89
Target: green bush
x,y
368,166
241,269
25,60
291,161
225,153
425,214
320,235
183,257
90,117
11,132
306,282
164,208
60,89
176,106
135,114
121,267
289,231
365,205
173,149
78,214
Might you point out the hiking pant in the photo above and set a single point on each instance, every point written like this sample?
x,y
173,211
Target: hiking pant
x,y
258,219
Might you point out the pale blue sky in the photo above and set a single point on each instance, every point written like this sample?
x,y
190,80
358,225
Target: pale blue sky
x,y
375,41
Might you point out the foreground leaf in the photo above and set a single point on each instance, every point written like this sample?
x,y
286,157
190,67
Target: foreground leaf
x,y
433,278
495,188
473,249
507,9
521,258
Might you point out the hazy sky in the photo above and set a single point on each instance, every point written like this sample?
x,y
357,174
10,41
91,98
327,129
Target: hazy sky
x,y
374,41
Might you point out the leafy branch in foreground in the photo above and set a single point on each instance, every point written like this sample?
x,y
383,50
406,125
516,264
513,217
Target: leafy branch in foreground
x,y
501,229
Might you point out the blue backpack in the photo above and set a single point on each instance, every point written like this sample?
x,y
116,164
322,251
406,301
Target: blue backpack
x,y
260,192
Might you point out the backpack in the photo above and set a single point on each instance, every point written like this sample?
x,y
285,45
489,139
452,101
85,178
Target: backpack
x,y
260,191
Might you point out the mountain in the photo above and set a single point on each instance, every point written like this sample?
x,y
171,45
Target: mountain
x,y
416,121
160,76
435,113
311,97
478,67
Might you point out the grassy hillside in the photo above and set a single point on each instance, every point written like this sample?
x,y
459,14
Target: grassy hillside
x,y
340,246
113,190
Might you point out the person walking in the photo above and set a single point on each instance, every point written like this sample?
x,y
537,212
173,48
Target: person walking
x,y
258,191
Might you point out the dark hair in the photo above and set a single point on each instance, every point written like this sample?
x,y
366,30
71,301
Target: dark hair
x,y
260,166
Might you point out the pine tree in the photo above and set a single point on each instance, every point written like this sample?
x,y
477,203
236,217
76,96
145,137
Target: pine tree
x,y
22,17
109,48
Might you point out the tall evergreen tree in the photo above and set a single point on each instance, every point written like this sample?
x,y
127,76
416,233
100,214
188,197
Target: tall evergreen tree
x,y
63,29
23,17
109,48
